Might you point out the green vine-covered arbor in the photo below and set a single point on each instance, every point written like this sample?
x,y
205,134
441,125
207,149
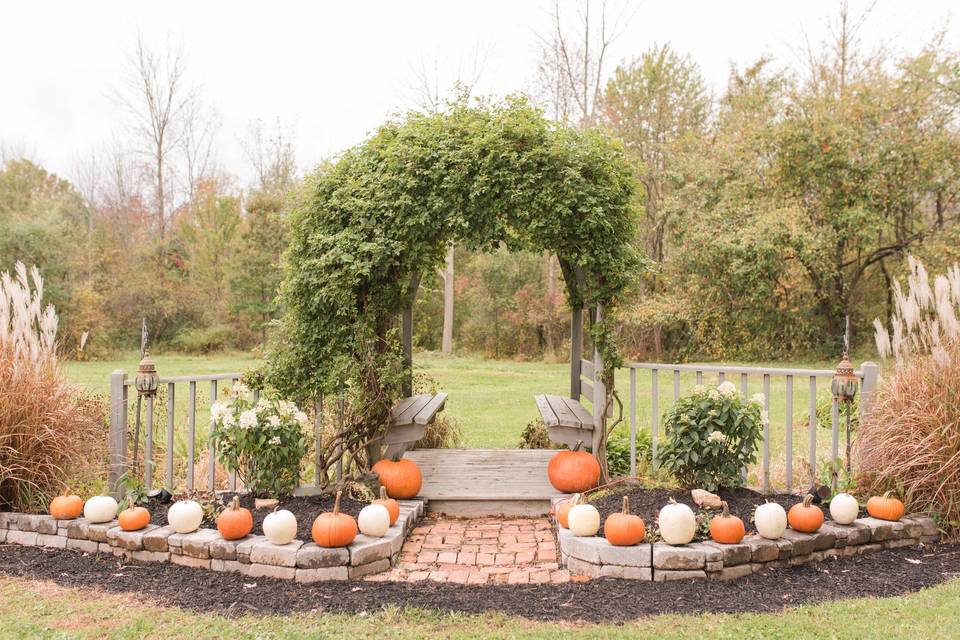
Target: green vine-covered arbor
x,y
367,227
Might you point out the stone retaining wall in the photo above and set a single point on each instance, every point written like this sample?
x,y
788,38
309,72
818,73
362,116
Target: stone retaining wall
x,y
253,555
595,557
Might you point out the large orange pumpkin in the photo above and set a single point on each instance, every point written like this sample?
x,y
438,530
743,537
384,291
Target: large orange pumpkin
x,y
805,517
885,508
623,529
563,510
393,507
133,518
573,471
66,506
402,478
334,529
235,521
725,528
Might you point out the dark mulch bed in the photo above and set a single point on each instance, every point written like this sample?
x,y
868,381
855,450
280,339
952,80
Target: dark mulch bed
x,y
885,574
306,509
647,503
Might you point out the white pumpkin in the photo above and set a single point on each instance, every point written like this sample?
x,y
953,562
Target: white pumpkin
x,y
185,516
844,508
677,523
280,527
771,520
100,509
373,520
583,520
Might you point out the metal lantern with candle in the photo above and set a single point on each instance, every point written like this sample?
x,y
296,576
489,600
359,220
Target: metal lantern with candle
x,y
844,386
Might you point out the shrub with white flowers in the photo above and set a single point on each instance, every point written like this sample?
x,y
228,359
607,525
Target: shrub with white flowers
x,y
263,441
711,437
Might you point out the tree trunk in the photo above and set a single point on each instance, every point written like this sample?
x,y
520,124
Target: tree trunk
x,y
447,274
551,346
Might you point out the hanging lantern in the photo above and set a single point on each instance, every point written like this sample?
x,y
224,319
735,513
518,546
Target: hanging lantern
x,y
147,379
845,383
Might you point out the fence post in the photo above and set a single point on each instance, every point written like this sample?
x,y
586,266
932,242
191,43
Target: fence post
x,y
871,375
118,430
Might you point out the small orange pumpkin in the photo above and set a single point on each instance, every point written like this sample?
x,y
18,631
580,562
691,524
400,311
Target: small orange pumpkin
x,y
563,510
573,471
393,507
235,522
805,517
133,518
623,529
66,506
725,528
334,529
401,477
885,507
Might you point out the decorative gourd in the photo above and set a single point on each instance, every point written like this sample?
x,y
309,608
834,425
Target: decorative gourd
x,y
100,509
623,529
373,520
133,518
392,506
677,523
885,508
584,520
185,516
726,528
280,527
66,506
563,510
235,522
844,508
573,471
805,517
401,478
771,520
334,529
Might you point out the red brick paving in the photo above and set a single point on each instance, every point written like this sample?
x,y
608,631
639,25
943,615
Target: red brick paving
x,y
480,551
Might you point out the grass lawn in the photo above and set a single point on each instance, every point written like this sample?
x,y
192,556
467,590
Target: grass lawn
x,y
30,609
493,400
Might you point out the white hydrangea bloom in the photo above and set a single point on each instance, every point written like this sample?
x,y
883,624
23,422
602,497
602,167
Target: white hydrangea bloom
x,y
248,419
263,404
765,417
301,418
727,389
228,419
239,389
274,440
758,398
717,436
714,394
274,421
217,411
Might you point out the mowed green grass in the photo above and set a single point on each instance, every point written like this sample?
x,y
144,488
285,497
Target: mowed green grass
x,y
493,399
31,609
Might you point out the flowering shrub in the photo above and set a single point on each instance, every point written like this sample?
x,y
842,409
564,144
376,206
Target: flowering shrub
x,y
711,437
263,441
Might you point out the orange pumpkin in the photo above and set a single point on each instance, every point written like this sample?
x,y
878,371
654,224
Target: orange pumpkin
x,y
805,517
235,521
623,529
563,510
402,478
393,507
133,518
885,508
334,529
725,528
573,471
66,506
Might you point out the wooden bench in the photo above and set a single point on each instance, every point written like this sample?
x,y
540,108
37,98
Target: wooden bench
x,y
567,421
409,419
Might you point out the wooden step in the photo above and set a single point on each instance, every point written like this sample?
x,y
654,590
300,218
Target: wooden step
x,y
475,482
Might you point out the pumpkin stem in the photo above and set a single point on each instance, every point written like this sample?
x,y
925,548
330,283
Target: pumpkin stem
x,y
886,496
336,503
672,501
807,500
383,492
578,445
626,505
235,505
576,500
129,502
726,509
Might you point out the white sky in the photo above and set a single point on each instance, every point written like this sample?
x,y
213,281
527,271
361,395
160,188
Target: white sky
x,y
335,70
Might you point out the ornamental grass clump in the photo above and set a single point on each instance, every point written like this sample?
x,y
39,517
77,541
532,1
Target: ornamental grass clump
x,y
47,433
909,440
712,436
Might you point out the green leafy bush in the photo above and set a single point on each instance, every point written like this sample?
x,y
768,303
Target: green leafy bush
x,y
618,452
204,339
263,441
711,437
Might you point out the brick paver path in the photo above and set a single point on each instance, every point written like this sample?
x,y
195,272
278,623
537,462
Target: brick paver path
x,y
480,551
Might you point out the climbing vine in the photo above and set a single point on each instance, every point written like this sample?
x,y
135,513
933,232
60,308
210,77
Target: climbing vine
x,y
366,227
